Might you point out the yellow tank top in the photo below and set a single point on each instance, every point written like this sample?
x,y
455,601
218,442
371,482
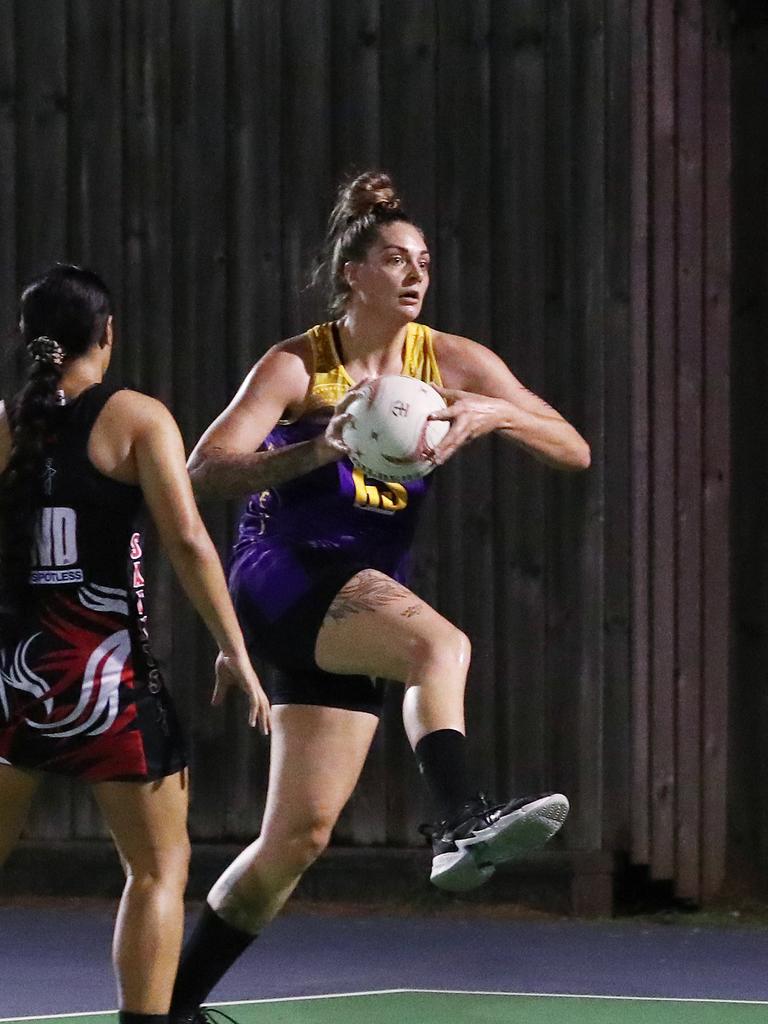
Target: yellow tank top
x,y
330,380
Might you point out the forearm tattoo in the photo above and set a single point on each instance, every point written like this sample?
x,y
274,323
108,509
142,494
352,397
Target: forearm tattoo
x,y
367,592
222,474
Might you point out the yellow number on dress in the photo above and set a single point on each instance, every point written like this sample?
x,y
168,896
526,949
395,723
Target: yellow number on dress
x,y
391,497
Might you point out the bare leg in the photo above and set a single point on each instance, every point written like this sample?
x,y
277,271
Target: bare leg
x,y
316,758
17,789
148,823
378,627
374,627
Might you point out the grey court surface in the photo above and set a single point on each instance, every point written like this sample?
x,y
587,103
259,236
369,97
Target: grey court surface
x,y
54,958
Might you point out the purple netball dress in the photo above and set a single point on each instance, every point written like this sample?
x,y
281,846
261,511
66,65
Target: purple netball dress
x,y
299,543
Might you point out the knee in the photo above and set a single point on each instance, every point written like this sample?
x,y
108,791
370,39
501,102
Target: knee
x,y
306,844
160,869
444,654
286,852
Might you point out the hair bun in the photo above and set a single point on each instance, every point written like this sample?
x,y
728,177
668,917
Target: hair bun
x,y
368,193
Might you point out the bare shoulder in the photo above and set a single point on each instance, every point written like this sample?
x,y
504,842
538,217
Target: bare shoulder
x,y
281,374
465,364
290,358
136,404
299,347
132,413
274,387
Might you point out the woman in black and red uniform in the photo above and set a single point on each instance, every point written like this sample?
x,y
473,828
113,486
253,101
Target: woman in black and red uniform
x,y
80,692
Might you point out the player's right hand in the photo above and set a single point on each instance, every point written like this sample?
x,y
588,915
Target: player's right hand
x,y
340,418
236,670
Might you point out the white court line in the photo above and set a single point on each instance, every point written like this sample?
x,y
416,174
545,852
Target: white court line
x,y
590,995
425,991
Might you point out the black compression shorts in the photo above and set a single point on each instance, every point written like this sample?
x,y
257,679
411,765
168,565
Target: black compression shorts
x,y
288,643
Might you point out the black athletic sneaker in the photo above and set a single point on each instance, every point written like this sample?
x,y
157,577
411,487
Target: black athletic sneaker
x,y
467,848
205,1015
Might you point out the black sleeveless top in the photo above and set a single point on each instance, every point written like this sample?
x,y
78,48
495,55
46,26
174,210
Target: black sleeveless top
x,y
86,520
80,692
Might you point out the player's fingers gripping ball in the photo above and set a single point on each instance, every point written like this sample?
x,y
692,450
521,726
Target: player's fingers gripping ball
x,y
388,432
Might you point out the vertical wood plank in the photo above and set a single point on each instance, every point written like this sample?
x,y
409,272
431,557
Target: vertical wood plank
x,y
355,91
517,254
688,568
580,500
617,437
663,327
408,127
41,139
746,712
255,187
254,301
640,437
95,151
717,755
305,154
147,198
199,139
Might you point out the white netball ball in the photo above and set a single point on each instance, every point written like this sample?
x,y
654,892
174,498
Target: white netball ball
x,y
389,429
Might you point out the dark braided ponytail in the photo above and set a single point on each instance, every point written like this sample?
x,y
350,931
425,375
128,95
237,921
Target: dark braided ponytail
x,y
62,314
363,206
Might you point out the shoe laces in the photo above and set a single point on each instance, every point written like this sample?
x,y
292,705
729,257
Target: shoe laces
x,y
477,807
206,1015
481,808
215,1016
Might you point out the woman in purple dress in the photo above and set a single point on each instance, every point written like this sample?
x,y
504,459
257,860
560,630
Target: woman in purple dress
x,y
318,576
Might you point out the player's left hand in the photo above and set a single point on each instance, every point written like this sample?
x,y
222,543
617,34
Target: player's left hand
x,y
470,416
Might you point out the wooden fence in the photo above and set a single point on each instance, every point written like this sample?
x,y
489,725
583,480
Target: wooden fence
x,y
568,162
680,441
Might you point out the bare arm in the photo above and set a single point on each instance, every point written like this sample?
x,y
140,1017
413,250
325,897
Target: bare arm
x,y
484,396
217,472
159,458
225,462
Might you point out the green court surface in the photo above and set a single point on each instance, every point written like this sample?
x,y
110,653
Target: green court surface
x,y
416,1007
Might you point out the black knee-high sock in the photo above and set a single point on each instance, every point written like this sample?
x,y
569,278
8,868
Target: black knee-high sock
x,y
442,760
208,953
126,1017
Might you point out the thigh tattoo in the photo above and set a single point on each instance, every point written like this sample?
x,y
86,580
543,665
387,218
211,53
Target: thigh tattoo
x,y
367,593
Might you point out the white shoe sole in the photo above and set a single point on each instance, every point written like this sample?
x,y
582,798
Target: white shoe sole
x,y
512,836
519,832
459,871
